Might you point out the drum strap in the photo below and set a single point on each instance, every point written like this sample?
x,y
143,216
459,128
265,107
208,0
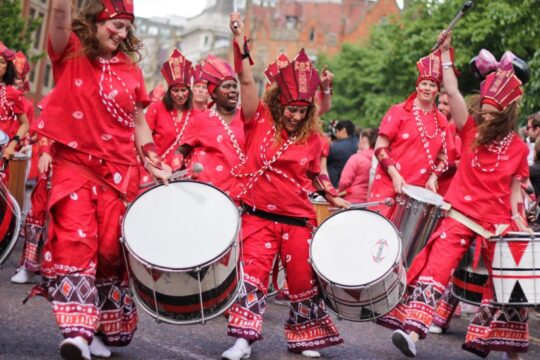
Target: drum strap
x,y
462,219
289,220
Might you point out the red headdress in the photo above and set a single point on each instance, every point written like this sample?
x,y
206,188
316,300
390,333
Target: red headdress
x,y
117,9
273,69
197,75
6,53
501,88
298,81
430,67
215,71
22,67
177,70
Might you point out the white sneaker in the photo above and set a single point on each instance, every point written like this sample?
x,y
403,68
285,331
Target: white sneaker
x,y
74,349
311,353
240,350
434,329
22,276
404,343
99,349
507,357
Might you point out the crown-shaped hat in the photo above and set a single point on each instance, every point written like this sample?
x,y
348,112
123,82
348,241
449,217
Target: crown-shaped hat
x,y
5,52
117,9
215,71
273,69
430,67
501,88
298,81
197,74
22,67
177,70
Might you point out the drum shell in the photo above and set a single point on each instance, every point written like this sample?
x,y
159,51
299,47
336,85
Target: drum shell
x,y
516,269
468,283
322,210
363,302
10,215
17,177
415,220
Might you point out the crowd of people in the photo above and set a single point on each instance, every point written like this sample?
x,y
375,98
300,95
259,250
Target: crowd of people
x,y
101,141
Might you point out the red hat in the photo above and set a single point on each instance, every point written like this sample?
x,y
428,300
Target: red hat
x,y
177,70
273,69
430,67
6,53
215,71
501,88
298,81
117,9
197,75
22,67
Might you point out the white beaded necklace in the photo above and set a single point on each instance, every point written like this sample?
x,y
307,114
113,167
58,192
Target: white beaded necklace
x,y
178,133
498,147
267,164
116,111
425,138
232,137
6,105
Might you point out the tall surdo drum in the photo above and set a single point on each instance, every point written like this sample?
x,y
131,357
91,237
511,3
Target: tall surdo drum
x,y
468,281
356,255
516,269
416,214
181,245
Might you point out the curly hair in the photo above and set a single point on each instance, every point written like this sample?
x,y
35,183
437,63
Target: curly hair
x,y
84,26
311,125
503,122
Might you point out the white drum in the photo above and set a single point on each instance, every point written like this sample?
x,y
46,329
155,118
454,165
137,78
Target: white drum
x,y
182,251
516,269
356,255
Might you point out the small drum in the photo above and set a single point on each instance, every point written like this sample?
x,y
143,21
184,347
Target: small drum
x,y
416,214
468,283
516,269
356,255
181,245
17,176
10,215
322,208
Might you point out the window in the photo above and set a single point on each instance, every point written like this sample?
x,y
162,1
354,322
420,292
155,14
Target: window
x,y
312,35
37,39
47,75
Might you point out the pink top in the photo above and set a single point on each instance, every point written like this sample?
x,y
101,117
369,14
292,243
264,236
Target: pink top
x,y
355,177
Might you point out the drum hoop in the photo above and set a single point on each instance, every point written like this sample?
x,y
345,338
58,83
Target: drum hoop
x,y
234,241
15,237
413,196
396,263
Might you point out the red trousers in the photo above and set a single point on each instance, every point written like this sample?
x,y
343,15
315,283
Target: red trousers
x,y
309,326
492,329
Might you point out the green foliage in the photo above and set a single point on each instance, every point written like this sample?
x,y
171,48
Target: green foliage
x,y
17,32
370,77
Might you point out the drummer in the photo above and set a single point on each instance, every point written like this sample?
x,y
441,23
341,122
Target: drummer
x,y
414,145
486,190
200,90
13,119
284,143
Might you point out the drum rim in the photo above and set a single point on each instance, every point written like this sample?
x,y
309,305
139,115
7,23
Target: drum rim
x,y
15,237
398,257
412,196
234,241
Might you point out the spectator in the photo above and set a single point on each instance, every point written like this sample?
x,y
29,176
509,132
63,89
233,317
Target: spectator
x,y
533,130
341,150
534,169
354,181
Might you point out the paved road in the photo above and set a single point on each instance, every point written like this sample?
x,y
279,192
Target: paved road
x,y
28,332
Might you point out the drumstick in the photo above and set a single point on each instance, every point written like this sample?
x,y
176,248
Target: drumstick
x,y
466,6
235,9
196,169
388,202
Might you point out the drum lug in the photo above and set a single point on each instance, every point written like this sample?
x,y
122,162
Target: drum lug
x,y
122,240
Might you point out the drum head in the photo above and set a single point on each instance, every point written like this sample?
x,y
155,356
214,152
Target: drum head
x,y
355,248
423,195
181,226
4,138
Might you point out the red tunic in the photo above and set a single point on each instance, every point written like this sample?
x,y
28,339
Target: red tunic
x,y
354,179
407,149
217,147
284,184
485,196
76,115
11,105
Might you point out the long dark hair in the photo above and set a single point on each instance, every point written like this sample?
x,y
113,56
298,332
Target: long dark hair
x,y
169,102
311,125
84,25
10,74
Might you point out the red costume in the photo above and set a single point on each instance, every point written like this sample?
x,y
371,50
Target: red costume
x,y
91,118
481,191
354,180
281,222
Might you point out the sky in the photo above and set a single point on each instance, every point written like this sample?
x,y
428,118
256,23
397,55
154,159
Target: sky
x,y
185,8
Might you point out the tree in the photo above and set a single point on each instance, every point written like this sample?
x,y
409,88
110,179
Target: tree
x,y
370,77
16,31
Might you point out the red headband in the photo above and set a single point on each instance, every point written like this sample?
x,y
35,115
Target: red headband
x,y
117,9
